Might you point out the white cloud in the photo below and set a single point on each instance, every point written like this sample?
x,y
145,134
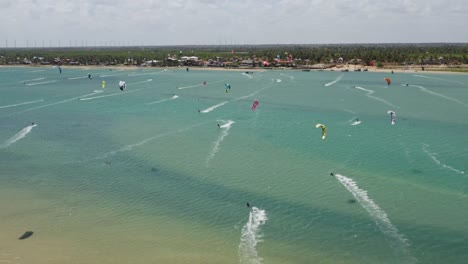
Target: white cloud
x,y
238,21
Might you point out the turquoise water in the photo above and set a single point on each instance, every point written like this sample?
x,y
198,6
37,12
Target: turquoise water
x,y
142,177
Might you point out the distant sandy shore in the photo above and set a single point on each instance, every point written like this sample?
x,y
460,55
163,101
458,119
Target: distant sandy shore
x,y
387,69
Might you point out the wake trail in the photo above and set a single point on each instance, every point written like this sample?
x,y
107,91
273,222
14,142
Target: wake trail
x,y
145,81
191,86
24,132
164,100
440,79
56,103
334,81
251,236
76,78
144,141
211,108
109,95
398,242
24,103
252,94
37,79
369,94
438,162
289,76
197,85
38,83
146,73
437,94
247,75
109,75
225,131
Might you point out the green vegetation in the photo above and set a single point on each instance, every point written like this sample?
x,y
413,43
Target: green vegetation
x,y
401,54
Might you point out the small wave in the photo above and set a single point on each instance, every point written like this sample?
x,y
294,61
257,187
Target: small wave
x,y
24,132
164,100
334,81
355,123
226,127
211,108
369,94
436,94
398,241
38,83
251,236
38,71
18,104
278,80
438,162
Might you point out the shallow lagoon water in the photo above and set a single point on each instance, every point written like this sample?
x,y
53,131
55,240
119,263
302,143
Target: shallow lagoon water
x,y
141,176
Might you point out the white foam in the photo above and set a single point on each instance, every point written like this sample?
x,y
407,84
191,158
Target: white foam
x,y
164,100
251,236
398,241
334,81
436,94
278,80
369,94
225,131
24,103
24,132
355,123
211,108
438,162
109,95
38,83
440,79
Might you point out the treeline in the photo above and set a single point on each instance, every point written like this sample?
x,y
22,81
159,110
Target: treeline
x,y
301,54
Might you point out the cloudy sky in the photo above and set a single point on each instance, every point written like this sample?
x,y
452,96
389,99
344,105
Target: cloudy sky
x,y
179,22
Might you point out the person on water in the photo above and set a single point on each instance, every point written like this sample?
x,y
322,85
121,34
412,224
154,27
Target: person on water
x,y
332,174
89,76
248,205
32,123
357,119
219,126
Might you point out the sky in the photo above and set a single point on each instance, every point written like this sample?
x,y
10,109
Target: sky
x,y
37,23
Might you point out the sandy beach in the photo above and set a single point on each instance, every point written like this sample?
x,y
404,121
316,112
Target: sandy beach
x,y
434,69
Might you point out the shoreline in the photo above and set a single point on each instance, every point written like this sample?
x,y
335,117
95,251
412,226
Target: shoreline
x,y
350,68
